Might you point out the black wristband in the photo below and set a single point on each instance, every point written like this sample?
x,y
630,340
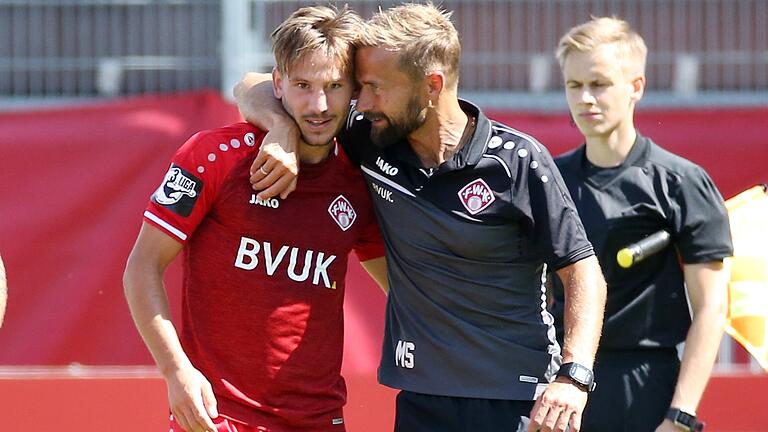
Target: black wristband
x,y
684,419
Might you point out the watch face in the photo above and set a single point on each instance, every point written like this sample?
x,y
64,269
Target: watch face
x,y
581,374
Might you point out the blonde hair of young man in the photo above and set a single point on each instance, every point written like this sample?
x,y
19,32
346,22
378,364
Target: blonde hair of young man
x,y
317,29
596,32
423,35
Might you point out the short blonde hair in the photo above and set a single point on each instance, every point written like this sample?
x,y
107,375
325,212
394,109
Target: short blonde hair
x,y
332,32
423,35
604,31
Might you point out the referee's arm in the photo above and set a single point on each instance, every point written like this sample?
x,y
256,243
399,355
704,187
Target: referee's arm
x,y
562,403
707,286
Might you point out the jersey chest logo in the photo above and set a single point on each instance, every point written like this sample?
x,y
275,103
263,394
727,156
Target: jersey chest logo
x,y
342,213
476,196
179,191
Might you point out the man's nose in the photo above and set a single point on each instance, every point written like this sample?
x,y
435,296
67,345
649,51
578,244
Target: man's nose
x,y
319,101
364,100
587,96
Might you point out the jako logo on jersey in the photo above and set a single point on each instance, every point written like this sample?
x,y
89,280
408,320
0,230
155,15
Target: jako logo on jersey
x,y
386,167
404,354
248,259
179,191
271,202
476,196
342,212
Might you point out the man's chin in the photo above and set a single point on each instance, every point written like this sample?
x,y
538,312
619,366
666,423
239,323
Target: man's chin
x,y
316,140
386,137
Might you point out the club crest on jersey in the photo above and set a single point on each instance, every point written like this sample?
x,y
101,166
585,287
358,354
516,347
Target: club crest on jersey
x,y
342,212
179,191
476,196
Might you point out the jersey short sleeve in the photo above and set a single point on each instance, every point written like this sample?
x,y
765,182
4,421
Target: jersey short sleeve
x,y
189,187
700,219
559,235
370,245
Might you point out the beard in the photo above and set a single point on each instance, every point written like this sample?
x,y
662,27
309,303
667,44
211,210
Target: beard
x,y
398,127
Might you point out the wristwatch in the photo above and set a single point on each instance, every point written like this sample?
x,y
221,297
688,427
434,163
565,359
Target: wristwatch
x,y
581,375
685,420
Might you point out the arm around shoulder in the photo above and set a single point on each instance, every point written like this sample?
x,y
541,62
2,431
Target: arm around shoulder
x,y
255,98
276,166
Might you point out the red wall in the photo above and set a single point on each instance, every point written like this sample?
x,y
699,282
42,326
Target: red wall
x,y
74,182
734,403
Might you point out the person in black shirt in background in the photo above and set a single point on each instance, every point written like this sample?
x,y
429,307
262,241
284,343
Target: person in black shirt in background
x,y
625,188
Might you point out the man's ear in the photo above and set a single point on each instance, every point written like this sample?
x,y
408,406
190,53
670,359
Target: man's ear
x,y
638,88
277,83
435,84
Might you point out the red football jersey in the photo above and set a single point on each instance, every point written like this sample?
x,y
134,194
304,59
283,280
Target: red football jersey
x,y
264,280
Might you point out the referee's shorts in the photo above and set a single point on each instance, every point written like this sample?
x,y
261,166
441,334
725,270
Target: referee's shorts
x,y
634,390
418,412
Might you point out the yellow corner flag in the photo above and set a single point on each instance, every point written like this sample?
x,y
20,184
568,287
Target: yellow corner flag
x,y
748,288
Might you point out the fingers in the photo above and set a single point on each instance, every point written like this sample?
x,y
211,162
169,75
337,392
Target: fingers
x,y
279,180
202,422
292,187
283,186
576,421
554,412
209,401
261,165
273,172
181,420
260,172
537,416
560,422
193,416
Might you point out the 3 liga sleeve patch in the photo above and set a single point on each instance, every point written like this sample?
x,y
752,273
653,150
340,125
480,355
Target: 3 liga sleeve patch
x,y
179,191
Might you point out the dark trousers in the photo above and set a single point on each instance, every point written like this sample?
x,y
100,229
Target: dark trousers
x,y
634,389
418,412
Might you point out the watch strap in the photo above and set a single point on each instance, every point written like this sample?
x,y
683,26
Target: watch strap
x,y
574,371
684,419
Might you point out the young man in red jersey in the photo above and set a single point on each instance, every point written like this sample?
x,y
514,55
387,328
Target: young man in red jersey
x,y
262,329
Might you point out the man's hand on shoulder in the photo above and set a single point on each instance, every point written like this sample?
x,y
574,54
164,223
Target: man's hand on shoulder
x,y
276,167
561,404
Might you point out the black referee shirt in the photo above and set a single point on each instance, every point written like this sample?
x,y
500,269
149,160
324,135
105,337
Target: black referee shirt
x,y
652,190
